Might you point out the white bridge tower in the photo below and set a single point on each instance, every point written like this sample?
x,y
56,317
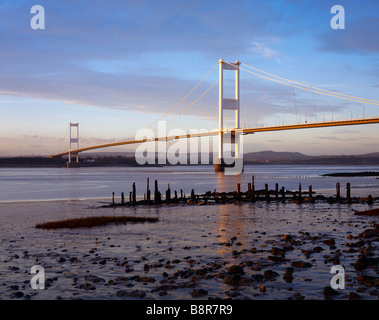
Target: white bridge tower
x,y
74,140
229,104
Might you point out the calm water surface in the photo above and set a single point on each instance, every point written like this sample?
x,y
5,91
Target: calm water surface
x,y
30,184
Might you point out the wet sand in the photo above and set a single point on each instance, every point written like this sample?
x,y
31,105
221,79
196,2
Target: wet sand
x,y
233,251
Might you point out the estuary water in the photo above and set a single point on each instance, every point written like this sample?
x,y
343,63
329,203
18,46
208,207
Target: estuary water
x,y
36,184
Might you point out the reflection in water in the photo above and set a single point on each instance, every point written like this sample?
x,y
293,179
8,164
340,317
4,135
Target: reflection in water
x,y
229,225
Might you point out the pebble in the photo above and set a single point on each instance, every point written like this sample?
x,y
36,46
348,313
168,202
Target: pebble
x,y
133,294
198,293
17,295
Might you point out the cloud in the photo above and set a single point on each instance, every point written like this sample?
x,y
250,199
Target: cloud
x,y
101,53
329,138
260,48
345,131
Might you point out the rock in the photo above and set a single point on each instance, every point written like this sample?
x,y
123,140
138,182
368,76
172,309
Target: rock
x,y
86,286
276,258
369,233
278,251
357,244
270,275
145,279
166,287
235,270
187,284
232,279
191,261
317,249
329,292
17,295
354,296
364,262
198,293
93,278
146,267
133,294
258,277
301,264
368,281
184,274
298,296
288,275
329,242
232,294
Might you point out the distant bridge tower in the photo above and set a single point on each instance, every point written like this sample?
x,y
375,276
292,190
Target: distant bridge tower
x,y
228,104
74,140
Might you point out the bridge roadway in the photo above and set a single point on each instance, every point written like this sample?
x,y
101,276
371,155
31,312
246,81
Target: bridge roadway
x,y
232,131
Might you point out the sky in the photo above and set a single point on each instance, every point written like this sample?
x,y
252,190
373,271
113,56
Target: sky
x,y
117,66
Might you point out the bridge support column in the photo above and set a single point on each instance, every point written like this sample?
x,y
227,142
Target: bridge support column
x,y
223,161
74,139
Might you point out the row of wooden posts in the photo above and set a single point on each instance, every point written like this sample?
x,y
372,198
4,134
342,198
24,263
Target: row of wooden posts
x,y
251,194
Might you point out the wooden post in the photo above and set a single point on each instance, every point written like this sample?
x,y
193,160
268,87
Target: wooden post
x,y
348,196
193,195
338,194
113,198
130,197
249,191
122,198
252,189
283,194
156,193
276,190
266,193
148,191
300,196
134,193
238,191
168,194
310,193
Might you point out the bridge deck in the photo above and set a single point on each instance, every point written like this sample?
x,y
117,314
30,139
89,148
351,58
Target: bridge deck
x,y
244,131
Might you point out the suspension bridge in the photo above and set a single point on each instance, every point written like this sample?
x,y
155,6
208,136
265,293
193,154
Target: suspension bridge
x,y
235,130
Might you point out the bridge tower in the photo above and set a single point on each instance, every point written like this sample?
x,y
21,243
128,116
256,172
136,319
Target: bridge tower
x,y
228,104
74,140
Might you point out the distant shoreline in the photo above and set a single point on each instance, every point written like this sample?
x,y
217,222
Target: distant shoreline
x,y
352,174
254,158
